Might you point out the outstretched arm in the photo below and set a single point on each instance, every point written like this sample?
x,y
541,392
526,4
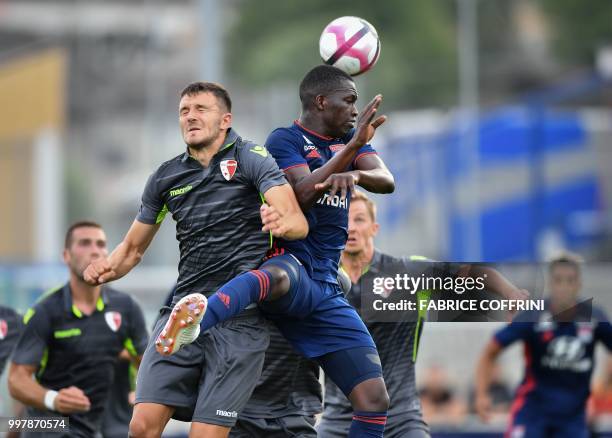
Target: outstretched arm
x,y
371,174
124,257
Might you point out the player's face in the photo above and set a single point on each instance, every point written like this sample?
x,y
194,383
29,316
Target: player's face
x,y
361,228
564,284
203,119
88,244
340,113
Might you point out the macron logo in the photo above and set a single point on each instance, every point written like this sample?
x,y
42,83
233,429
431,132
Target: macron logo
x,y
232,414
180,191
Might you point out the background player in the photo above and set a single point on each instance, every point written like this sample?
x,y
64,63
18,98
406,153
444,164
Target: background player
x,y
559,353
64,361
213,192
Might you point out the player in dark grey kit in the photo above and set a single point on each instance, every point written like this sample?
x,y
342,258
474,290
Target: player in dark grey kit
x,y
213,192
64,361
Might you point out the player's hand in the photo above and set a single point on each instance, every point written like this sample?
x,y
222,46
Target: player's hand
x,y
70,400
519,294
366,123
132,398
339,182
272,221
99,271
482,404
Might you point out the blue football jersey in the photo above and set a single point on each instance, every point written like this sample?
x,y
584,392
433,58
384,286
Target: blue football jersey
x,y
295,146
558,360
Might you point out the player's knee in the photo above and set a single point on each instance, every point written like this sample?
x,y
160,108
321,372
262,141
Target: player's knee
x,y
370,396
379,399
141,428
280,282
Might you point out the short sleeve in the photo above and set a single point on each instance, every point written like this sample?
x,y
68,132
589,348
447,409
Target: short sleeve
x,y
285,149
152,208
260,169
515,331
35,338
137,335
362,152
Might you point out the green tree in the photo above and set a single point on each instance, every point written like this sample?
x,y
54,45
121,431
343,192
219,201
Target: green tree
x,y
274,40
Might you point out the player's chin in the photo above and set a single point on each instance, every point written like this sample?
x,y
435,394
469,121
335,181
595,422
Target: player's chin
x,y
351,248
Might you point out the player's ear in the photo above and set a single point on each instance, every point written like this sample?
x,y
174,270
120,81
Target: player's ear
x,y
375,228
320,102
66,255
226,120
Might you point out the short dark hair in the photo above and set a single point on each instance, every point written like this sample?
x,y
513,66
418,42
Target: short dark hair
x,y
322,79
209,87
565,259
74,226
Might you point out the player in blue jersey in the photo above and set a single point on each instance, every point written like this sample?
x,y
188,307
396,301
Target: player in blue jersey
x,y
324,155
559,354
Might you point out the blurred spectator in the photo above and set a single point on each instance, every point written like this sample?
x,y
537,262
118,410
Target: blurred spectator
x,y
440,401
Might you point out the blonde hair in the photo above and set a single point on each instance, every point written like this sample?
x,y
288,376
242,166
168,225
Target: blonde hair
x,y
370,206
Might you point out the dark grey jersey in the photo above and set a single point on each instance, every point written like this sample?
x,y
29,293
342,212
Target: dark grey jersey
x,y
70,348
216,210
289,383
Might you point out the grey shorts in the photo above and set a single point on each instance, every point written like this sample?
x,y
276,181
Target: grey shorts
x,y
396,428
289,426
210,380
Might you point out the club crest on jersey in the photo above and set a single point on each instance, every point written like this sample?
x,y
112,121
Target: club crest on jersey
x,y
113,320
3,329
585,331
228,168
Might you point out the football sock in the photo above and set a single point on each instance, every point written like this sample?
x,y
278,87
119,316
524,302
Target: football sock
x,y
367,424
234,296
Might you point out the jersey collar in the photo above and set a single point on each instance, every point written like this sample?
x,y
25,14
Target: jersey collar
x,y
70,308
230,139
374,264
311,132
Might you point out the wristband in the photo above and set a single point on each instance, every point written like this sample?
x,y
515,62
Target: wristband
x,y
50,396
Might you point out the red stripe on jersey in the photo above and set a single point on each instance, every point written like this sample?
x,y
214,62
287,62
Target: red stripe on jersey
x,y
363,154
295,165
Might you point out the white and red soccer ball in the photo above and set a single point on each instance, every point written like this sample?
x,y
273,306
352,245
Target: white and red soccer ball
x,y
351,44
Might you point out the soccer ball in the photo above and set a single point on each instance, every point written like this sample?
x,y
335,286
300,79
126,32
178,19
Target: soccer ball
x,y
351,44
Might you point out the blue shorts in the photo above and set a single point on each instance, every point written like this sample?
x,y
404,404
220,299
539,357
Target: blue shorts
x,y
314,315
528,422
